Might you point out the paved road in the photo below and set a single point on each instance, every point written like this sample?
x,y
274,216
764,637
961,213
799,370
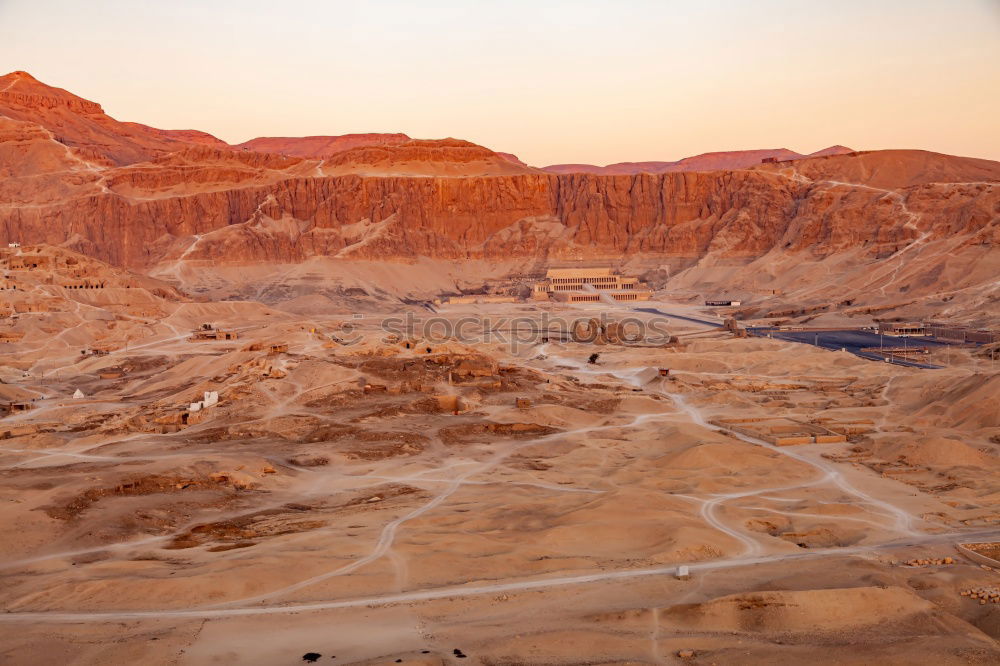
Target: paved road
x,y
852,341
695,320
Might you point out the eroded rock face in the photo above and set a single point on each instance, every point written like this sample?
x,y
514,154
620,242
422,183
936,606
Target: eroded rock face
x,y
81,124
725,160
135,196
251,213
420,157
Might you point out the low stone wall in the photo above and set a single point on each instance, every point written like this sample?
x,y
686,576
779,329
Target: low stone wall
x,y
979,558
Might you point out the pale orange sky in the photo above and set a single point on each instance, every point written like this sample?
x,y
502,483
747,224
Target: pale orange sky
x,y
553,82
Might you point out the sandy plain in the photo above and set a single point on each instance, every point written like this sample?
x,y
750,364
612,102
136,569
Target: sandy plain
x,y
373,497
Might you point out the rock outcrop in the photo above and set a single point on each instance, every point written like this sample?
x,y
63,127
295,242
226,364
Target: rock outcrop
x,y
320,147
138,215
734,159
83,126
137,196
441,157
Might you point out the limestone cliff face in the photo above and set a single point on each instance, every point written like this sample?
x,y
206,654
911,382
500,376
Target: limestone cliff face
x,y
257,216
136,196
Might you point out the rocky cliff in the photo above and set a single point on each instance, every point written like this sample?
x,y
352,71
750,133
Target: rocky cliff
x,y
139,215
137,196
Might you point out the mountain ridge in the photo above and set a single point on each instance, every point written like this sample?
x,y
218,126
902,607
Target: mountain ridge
x,y
714,161
21,92
161,200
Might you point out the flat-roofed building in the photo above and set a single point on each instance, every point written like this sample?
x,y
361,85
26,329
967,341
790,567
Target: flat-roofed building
x,y
982,336
955,333
901,329
589,285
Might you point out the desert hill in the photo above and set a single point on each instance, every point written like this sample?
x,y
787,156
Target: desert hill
x,y
318,146
893,226
186,136
62,299
893,169
736,159
442,157
83,126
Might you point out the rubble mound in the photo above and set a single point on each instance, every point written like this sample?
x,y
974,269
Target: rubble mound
x,y
798,611
732,455
972,402
934,452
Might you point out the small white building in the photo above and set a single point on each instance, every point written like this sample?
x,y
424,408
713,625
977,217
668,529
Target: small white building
x,y
210,399
78,395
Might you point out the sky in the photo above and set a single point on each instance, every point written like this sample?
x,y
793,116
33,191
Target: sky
x,y
551,81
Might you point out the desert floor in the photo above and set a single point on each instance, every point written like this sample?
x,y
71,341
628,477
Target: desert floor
x,y
383,498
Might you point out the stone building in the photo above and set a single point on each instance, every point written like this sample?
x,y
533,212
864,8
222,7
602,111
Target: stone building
x,y
589,285
902,329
